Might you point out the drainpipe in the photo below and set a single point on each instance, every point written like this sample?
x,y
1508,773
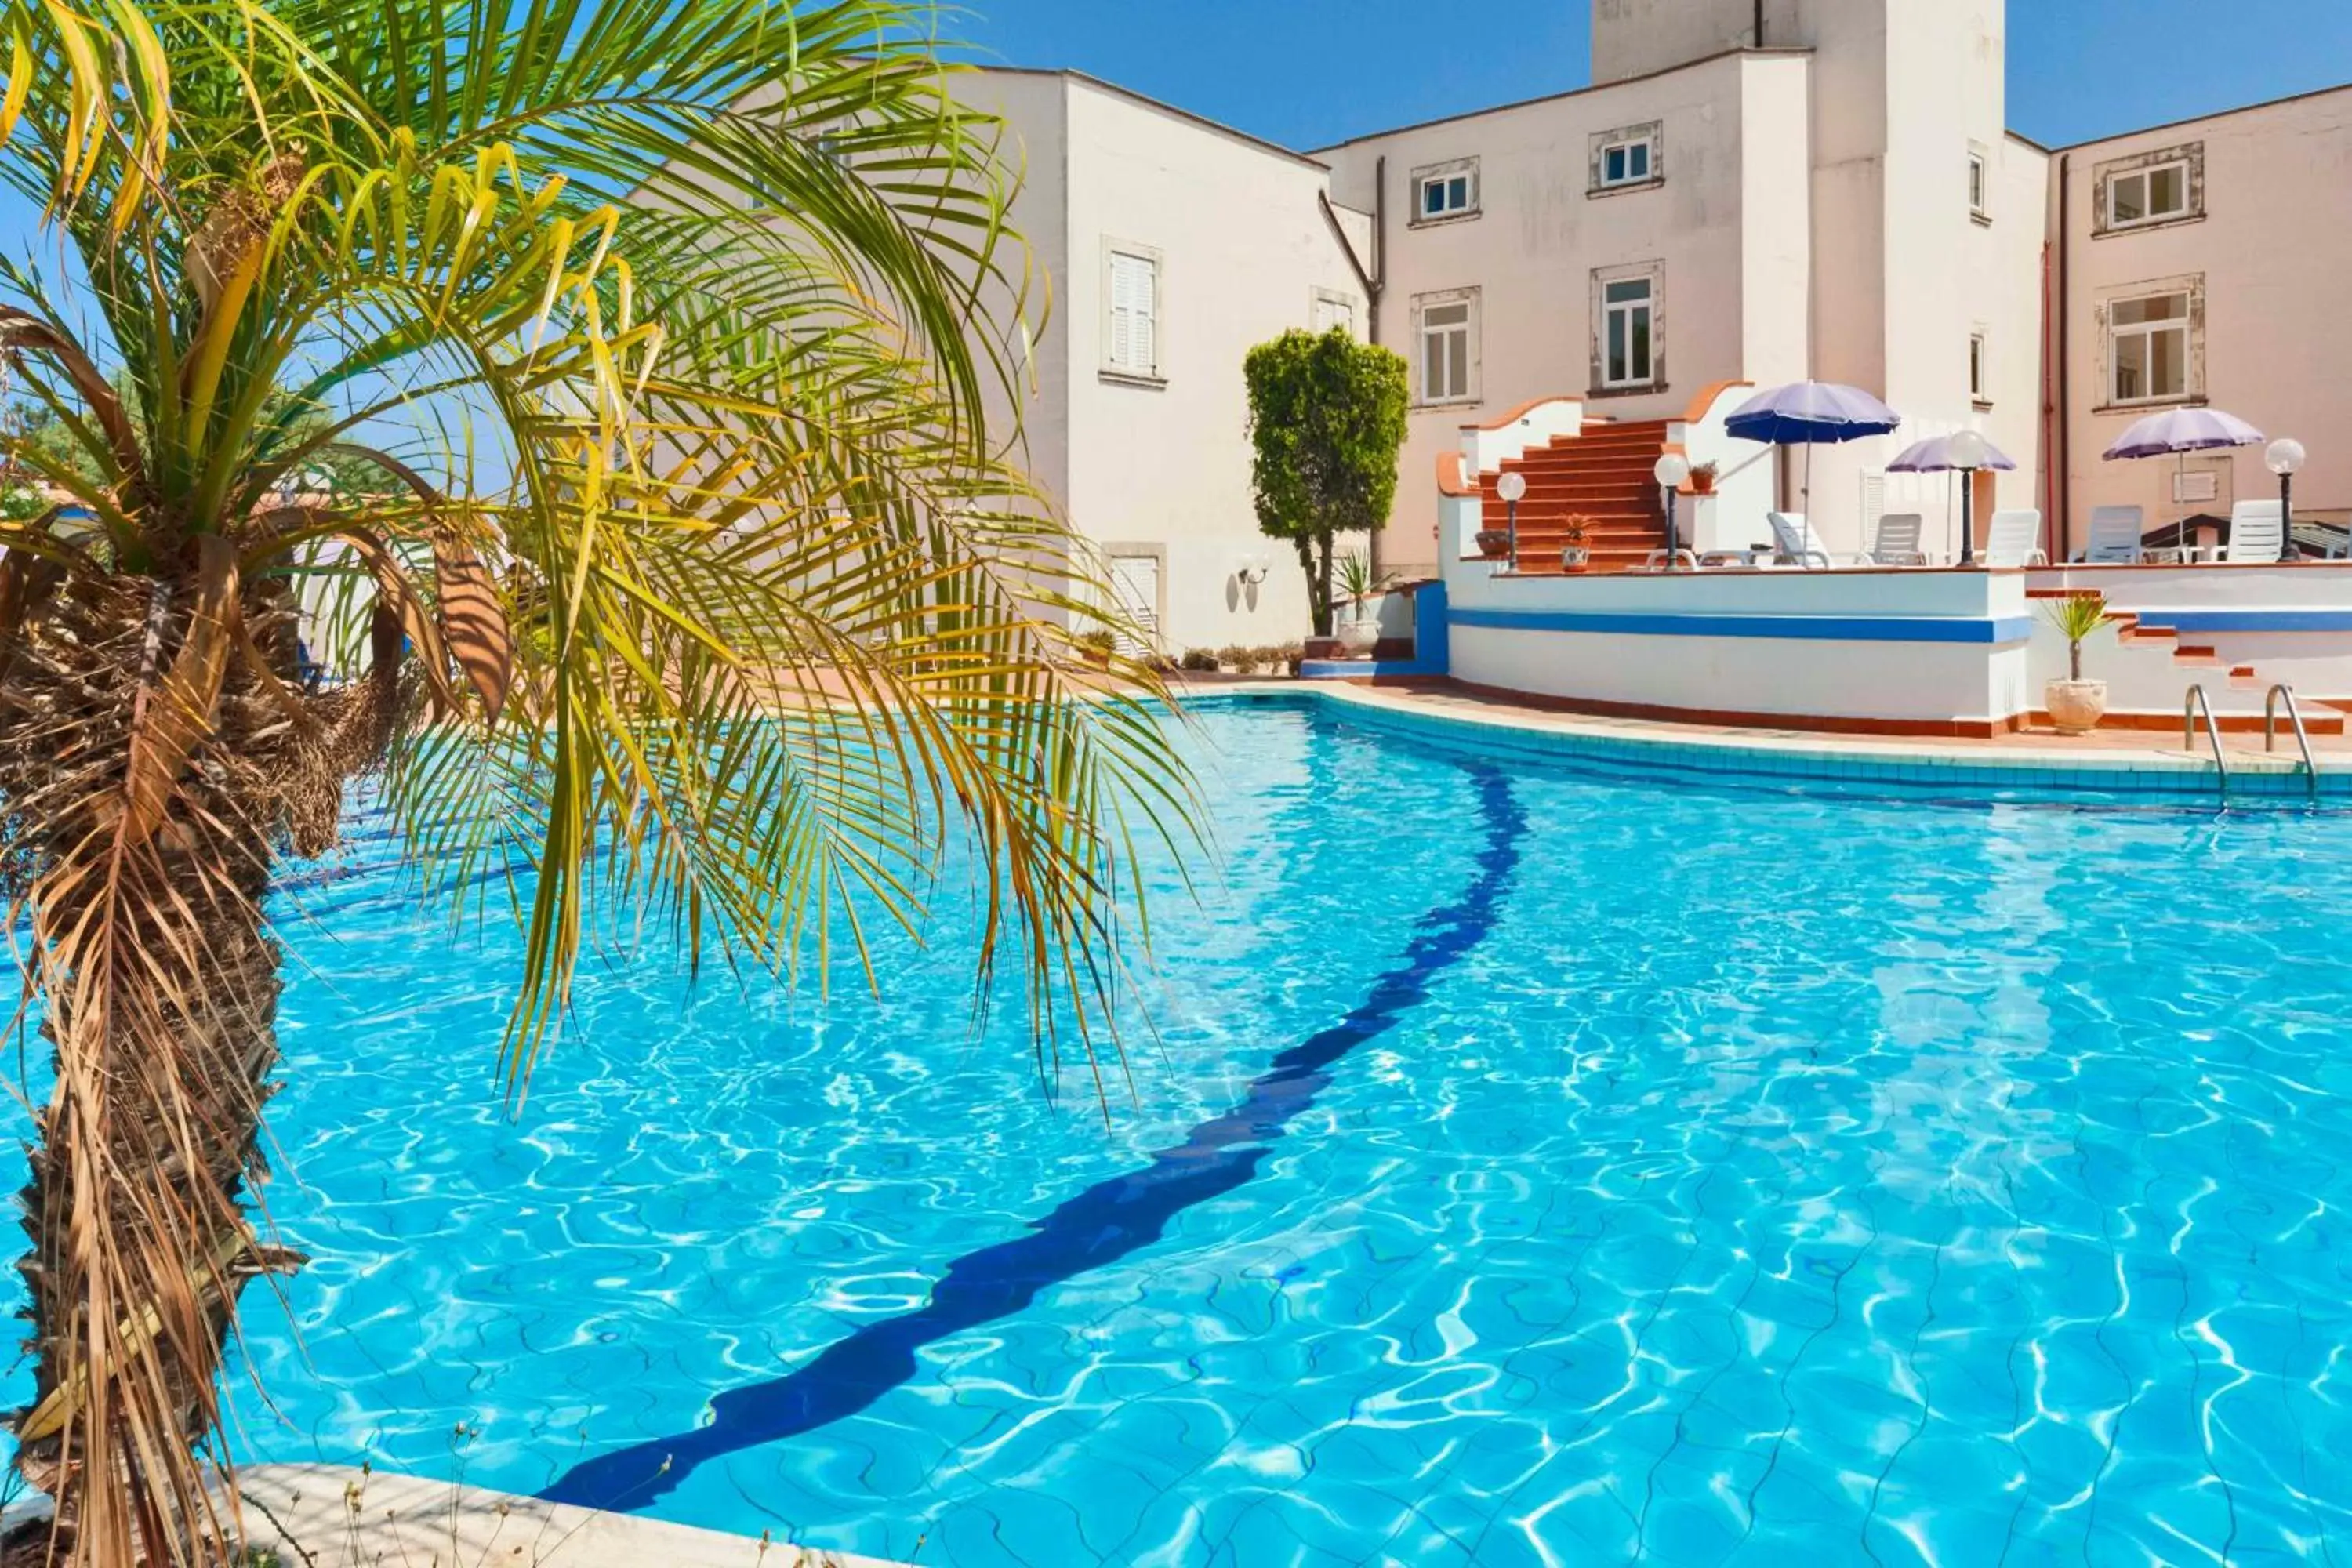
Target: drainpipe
x,y
1374,278
2062,482
1760,24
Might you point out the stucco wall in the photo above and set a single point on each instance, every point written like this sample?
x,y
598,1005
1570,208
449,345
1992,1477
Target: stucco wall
x,y
1919,648
1163,470
1031,329
2271,246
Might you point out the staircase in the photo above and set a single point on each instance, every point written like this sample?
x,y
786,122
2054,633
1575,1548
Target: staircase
x,y
1605,476
2150,663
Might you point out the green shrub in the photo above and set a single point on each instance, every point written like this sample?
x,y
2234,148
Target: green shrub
x,y
1239,659
1200,658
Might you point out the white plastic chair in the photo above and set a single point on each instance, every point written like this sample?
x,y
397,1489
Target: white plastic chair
x,y
1795,543
2015,539
2116,534
1899,540
2257,534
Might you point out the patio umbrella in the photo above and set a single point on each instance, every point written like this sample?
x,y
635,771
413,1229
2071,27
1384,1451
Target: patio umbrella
x,y
2183,430
1810,413
1932,456
2178,432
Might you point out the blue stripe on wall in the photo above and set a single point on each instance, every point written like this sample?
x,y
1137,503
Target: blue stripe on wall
x,y
2247,620
1987,630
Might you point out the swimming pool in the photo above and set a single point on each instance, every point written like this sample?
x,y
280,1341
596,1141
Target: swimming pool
x,y
1529,1166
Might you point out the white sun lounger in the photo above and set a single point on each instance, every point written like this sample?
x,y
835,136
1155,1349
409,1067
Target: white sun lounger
x,y
2015,539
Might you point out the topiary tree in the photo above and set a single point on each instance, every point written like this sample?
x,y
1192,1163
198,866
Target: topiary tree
x,y
1326,417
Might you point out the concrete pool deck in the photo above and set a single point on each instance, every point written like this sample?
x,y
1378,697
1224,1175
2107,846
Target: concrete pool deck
x,y
333,1516
2138,762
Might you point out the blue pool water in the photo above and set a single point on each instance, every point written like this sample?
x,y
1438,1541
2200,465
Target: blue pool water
x,y
1527,1167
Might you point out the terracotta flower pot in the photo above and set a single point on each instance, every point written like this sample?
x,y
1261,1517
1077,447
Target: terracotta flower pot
x,y
2075,707
1493,543
1702,484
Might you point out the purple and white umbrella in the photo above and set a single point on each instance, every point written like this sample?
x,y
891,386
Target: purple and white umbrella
x,y
2183,430
1932,456
2177,432
1806,413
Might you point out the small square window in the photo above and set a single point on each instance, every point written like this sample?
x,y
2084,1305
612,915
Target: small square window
x,y
2148,343
1448,191
2158,193
1626,163
1627,157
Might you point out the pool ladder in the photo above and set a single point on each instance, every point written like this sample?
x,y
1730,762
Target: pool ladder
x,y
2196,704
2190,707
2270,731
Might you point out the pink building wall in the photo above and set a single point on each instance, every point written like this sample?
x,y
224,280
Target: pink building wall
x,y
2268,247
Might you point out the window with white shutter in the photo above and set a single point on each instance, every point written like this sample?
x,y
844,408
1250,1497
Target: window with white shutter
x,y
1133,329
1333,309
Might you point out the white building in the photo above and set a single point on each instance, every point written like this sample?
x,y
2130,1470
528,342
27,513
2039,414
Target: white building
x,y
1756,191
1172,247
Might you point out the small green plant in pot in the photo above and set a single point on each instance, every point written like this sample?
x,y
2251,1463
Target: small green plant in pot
x,y
1097,646
2076,705
1360,633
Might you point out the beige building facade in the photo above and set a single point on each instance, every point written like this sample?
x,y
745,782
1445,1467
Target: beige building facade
x,y
1748,192
2208,261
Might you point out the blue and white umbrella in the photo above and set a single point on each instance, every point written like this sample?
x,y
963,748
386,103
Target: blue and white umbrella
x,y
1811,413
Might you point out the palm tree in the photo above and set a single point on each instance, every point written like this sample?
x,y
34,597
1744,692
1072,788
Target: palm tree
x,y
606,385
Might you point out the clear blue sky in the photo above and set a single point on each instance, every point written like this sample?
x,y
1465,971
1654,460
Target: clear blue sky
x,y
1307,73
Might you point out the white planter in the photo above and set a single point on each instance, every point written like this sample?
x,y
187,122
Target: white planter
x,y
1357,637
2075,707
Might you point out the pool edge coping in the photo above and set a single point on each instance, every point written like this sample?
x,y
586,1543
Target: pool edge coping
x,y
311,1510
2142,771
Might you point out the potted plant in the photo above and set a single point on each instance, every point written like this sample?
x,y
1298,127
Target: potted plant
x,y
2076,705
1097,646
1575,554
1360,633
1495,544
1701,479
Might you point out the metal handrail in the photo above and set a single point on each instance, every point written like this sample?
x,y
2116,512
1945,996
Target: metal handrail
x,y
2188,708
2270,731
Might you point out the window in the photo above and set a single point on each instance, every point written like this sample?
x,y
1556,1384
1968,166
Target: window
x,y
1626,163
1444,191
1448,329
1979,376
1332,309
1445,194
1978,186
1628,349
1132,311
2147,347
1629,157
2167,185
2148,195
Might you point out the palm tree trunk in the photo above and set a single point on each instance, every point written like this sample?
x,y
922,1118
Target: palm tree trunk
x,y
158,984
